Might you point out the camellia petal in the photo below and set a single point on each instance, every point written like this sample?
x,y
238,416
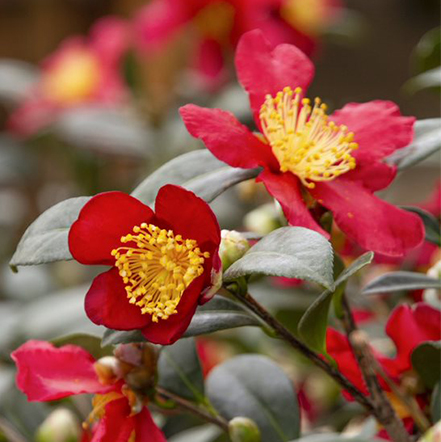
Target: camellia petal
x,y
285,188
47,373
101,223
375,175
169,331
379,128
106,304
263,70
226,138
374,224
145,428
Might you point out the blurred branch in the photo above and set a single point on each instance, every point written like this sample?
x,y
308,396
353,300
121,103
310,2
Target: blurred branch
x,y
383,410
11,434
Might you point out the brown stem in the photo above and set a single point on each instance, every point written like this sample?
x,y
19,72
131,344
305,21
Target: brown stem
x,y
383,410
284,333
186,405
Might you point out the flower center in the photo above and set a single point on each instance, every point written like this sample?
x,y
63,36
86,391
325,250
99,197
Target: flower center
x,y
158,268
99,403
303,140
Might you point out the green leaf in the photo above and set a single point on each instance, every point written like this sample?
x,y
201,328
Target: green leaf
x,y
435,403
427,53
397,281
90,343
293,252
45,240
427,141
218,314
427,80
335,437
314,323
426,361
253,386
431,225
203,433
198,171
180,371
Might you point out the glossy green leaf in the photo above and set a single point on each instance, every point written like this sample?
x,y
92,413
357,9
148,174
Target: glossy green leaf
x,y
430,79
218,314
203,433
426,361
314,323
435,403
255,387
45,240
198,171
427,141
431,225
179,370
397,281
293,252
90,343
334,437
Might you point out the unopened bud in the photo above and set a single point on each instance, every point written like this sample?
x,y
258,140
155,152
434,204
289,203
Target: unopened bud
x,y
233,246
60,426
107,369
263,220
242,429
433,296
432,435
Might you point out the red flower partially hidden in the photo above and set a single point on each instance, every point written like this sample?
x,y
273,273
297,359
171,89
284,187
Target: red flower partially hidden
x,y
217,25
47,373
163,263
308,158
80,71
407,326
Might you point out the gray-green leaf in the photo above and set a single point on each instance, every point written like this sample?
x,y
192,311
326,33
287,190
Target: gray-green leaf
x,y
253,386
198,171
426,361
396,281
431,225
427,141
314,323
45,240
293,252
180,371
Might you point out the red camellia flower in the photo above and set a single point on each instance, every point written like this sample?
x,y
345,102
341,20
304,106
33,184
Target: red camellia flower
x,y
219,24
310,160
80,71
47,373
163,263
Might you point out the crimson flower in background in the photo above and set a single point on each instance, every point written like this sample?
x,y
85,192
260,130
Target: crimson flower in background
x,y
47,373
218,25
310,160
82,70
407,327
163,263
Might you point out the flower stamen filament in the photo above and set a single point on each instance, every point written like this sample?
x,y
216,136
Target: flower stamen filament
x,y
302,139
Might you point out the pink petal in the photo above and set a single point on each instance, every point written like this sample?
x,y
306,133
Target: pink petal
x,y
263,70
372,223
227,138
285,188
47,373
106,304
378,126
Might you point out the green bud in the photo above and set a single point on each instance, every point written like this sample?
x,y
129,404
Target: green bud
x,y
233,246
432,435
60,426
242,429
263,220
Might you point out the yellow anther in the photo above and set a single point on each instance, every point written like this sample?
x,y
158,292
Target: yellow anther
x,y
303,140
157,268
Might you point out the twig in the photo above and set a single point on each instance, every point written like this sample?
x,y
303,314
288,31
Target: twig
x,y
383,410
193,409
9,431
284,333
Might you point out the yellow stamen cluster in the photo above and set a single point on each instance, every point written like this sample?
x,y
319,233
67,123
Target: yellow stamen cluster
x,y
157,267
99,403
303,140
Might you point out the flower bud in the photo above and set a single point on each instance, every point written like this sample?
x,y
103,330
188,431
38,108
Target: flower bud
x,y
433,296
263,220
60,426
242,429
107,369
233,246
433,435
